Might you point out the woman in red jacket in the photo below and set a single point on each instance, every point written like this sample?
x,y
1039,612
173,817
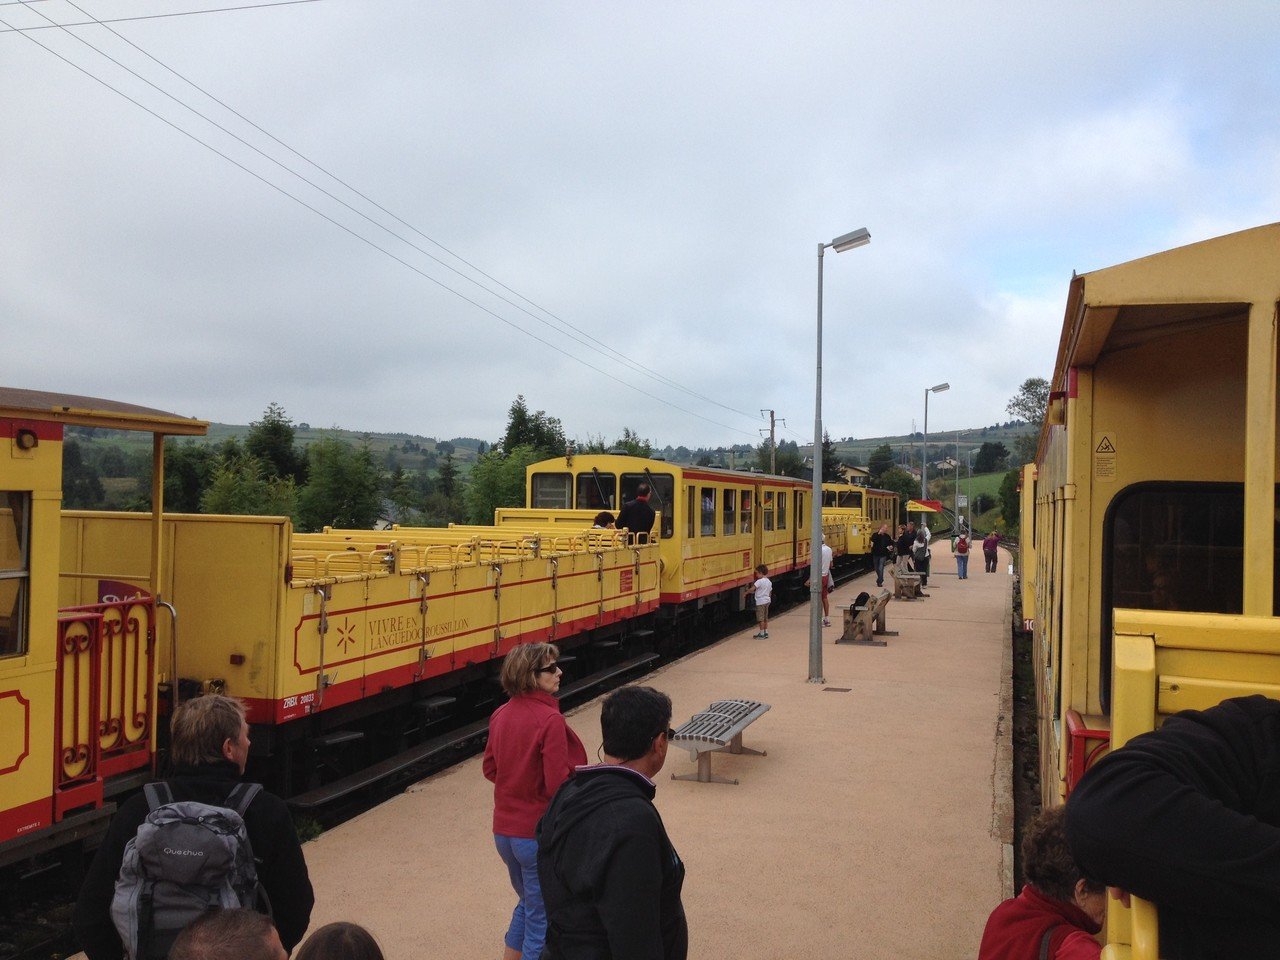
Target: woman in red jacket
x,y
1058,911
531,751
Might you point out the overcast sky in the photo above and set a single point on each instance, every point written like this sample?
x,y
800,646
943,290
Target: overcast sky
x,y
654,177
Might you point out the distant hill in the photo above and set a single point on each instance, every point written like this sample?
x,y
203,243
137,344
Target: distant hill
x,y
941,443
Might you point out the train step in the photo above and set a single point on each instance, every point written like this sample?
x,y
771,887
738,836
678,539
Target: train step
x,y
321,796
432,704
597,678
336,738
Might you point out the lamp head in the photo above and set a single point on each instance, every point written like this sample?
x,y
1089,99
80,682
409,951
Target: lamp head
x,y
859,238
940,387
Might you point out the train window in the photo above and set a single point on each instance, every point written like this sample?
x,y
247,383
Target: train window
x,y
708,511
830,498
597,491
855,499
729,513
800,518
744,515
767,504
691,512
1172,546
15,527
662,496
782,510
552,491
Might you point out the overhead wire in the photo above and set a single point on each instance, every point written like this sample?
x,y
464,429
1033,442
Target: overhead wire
x,y
580,336
9,28
358,236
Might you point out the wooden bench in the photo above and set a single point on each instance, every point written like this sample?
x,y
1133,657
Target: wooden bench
x,y
906,586
719,727
864,625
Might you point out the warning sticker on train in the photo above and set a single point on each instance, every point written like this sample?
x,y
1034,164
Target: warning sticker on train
x,y
1104,457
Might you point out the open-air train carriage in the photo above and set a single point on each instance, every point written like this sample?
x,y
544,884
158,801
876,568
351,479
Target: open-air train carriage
x,y
1149,518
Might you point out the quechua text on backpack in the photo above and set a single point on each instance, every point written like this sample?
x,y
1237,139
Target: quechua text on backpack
x,y
186,857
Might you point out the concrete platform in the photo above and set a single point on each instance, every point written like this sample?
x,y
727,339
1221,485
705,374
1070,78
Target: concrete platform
x,y
877,826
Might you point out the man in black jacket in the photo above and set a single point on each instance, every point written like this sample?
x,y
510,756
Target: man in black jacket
x,y
610,877
209,745
637,516
1188,817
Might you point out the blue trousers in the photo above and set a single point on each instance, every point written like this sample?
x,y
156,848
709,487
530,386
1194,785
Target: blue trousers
x,y
880,562
962,566
528,929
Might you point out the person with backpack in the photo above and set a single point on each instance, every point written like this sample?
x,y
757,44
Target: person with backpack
x,y
960,548
198,839
920,557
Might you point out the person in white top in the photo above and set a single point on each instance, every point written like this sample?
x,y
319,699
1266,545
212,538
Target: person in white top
x,y
826,582
763,588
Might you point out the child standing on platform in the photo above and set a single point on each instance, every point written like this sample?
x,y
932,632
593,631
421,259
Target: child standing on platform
x,y
764,593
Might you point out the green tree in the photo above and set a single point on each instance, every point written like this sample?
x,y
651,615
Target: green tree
x,y
903,484
830,462
879,463
1010,503
448,482
239,486
81,486
788,461
1029,404
498,480
537,430
188,471
405,502
342,487
631,442
270,441
991,457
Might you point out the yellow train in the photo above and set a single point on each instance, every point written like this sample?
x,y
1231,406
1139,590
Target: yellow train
x,y
714,526
347,646
1149,517
851,514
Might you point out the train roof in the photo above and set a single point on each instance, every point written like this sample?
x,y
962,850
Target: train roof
x,y
1212,281
665,466
93,412
1200,283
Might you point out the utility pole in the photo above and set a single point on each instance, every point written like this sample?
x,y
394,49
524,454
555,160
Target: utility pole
x,y
773,446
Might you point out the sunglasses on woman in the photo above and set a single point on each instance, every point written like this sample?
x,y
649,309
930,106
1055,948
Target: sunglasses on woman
x,y
549,668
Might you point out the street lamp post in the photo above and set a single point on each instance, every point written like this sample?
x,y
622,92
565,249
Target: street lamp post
x,y
924,449
857,238
969,459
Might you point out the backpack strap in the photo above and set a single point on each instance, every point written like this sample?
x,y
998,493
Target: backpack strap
x,y
1046,940
158,794
243,795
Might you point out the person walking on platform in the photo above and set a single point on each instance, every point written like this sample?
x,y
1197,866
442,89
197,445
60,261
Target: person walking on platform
x,y
530,752
989,547
1058,911
611,877
961,549
906,540
881,545
920,558
637,516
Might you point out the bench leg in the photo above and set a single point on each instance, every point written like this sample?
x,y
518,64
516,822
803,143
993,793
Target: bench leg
x,y
704,774
735,746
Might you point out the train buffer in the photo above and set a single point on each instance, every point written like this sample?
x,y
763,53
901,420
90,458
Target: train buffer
x,y
865,625
719,727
